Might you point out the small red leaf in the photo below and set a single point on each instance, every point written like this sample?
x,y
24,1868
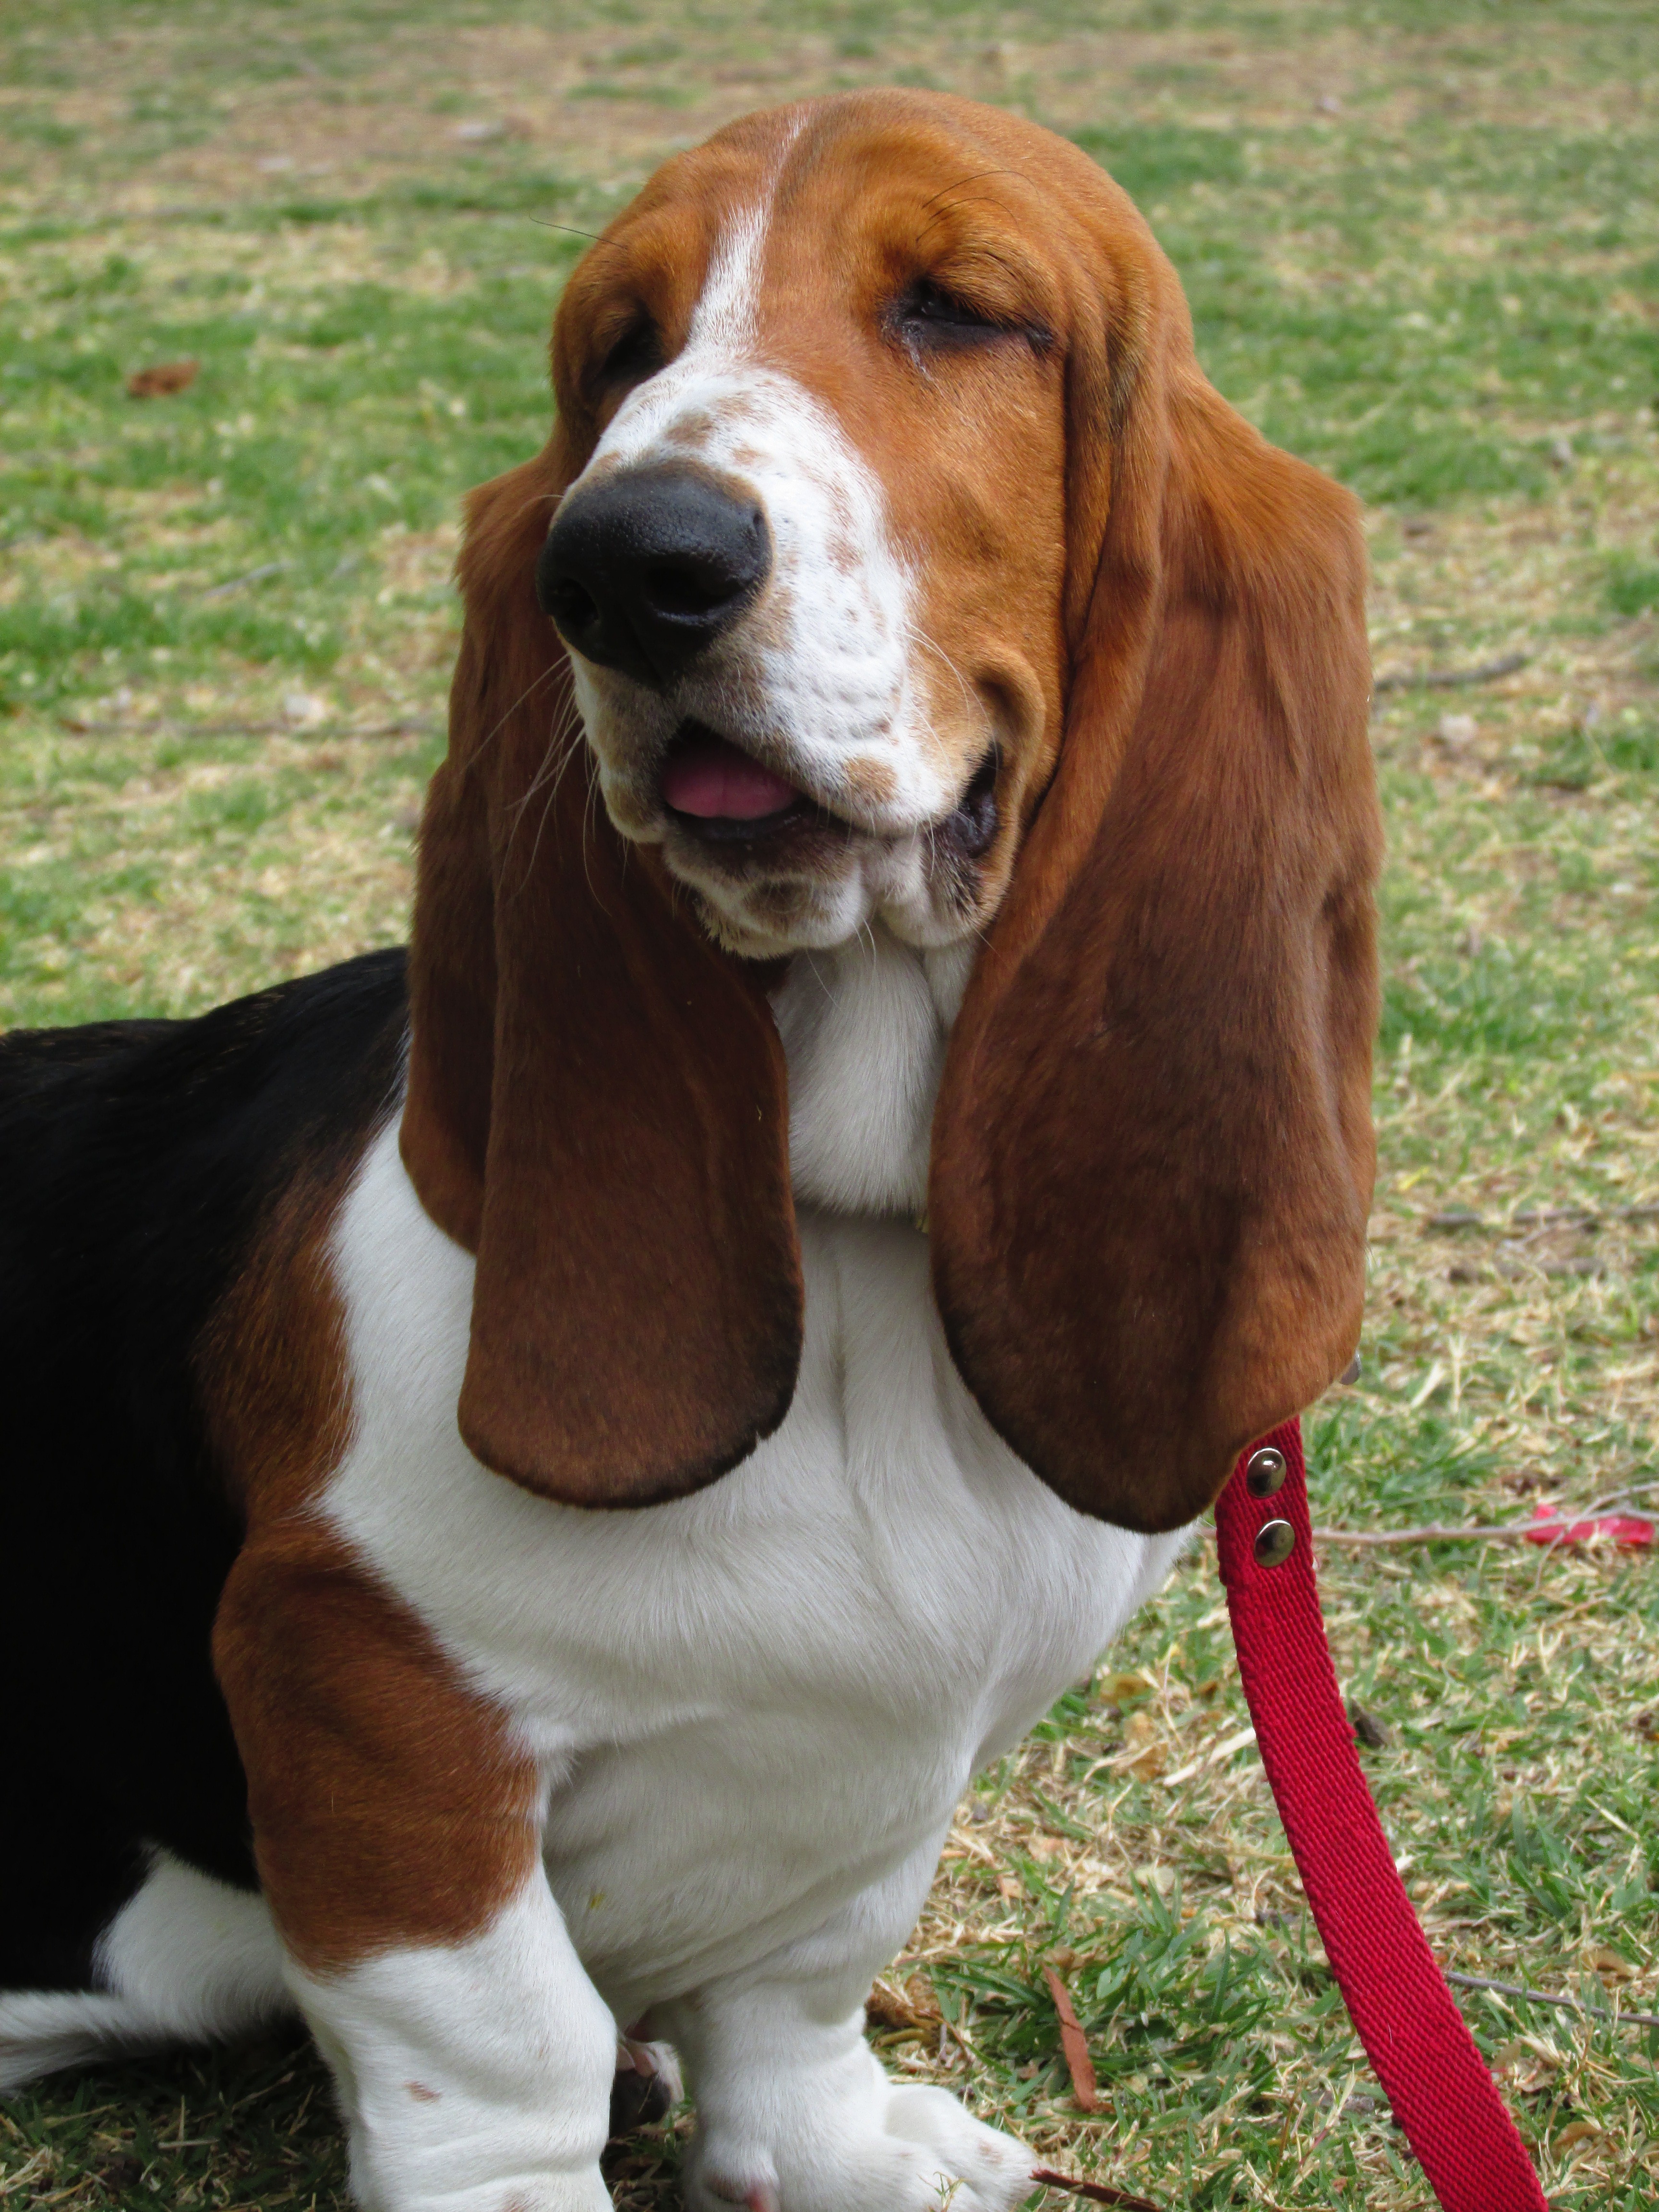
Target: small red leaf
x,y
1627,1532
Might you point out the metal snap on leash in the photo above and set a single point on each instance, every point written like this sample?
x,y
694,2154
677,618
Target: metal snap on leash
x,y
1265,1472
1274,1542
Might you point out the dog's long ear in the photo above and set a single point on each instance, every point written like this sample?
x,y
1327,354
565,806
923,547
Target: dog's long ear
x,y
597,1098
1153,1154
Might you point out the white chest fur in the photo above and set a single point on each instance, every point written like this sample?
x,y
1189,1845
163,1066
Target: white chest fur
x,y
753,1703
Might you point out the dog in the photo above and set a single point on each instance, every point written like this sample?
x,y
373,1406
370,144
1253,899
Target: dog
x,y
538,1473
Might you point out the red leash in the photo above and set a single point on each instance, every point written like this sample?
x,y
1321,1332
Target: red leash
x,y
1423,2056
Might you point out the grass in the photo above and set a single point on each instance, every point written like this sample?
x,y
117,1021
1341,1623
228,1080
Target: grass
x,y
1422,246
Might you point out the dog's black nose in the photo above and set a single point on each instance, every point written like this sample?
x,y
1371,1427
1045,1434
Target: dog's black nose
x,y
643,570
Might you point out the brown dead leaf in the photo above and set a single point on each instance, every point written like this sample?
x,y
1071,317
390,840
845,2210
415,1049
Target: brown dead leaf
x,y
1148,1756
1609,1962
166,377
1113,1689
1576,2131
1074,2044
896,2005
1526,2066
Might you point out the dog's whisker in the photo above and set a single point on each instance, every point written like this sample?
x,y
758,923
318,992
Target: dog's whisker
x,y
563,735
550,674
591,805
547,767
572,741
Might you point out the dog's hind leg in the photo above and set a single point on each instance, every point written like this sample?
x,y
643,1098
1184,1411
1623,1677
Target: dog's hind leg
x,y
186,1960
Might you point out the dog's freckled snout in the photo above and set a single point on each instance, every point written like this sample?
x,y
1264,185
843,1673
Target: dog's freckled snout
x,y
643,571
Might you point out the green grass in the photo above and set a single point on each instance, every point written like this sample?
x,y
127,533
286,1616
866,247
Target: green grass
x,y
1421,243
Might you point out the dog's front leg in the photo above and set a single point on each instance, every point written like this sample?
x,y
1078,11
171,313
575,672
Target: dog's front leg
x,y
397,1826
794,2111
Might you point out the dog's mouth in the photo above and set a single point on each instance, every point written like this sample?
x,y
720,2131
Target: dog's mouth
x,y
715,791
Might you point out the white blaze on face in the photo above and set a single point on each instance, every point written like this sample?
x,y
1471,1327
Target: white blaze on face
x,y
816,677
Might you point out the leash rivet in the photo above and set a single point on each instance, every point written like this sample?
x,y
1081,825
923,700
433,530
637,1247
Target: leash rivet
x,y
1274,1542
1265,1472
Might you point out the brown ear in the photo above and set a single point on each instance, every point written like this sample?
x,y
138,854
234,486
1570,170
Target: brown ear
x,y
597,1098
1152,1153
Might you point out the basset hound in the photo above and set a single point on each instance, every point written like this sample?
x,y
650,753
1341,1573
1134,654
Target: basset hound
x,y
537,1474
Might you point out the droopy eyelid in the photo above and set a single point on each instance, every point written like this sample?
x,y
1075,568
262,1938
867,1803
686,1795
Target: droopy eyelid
x,y
634,353
933,310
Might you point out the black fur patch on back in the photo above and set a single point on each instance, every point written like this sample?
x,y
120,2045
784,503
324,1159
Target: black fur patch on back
x,y
136,1160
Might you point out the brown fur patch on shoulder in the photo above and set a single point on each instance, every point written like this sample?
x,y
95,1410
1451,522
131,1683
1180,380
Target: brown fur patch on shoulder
x,y
392,1803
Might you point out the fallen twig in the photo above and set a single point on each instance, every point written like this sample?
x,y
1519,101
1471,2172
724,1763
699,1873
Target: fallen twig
x,y
1509,1532
1097,2192
1622,1497
1586,1216
1451,679
253,576
1452,1220
1075,2044
1538,1997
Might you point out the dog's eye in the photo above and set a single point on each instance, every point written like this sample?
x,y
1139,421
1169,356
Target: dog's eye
x,y
930,316
637,354
928,312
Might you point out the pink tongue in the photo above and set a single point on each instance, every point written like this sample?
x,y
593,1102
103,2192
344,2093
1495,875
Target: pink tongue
x,y
709,778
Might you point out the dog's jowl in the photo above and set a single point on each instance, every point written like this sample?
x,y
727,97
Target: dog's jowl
x,y
553,1463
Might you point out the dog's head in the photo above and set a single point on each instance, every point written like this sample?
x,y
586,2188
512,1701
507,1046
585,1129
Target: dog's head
x,y
909,569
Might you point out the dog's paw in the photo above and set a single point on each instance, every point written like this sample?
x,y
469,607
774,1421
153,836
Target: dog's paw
x,y
914,2149
519,2192
994,2169
560,2193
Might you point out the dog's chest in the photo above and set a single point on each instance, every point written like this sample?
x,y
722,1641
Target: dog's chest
x,y
752,1703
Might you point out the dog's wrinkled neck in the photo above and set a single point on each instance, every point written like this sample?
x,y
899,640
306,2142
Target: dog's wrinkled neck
x,y
864,1028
